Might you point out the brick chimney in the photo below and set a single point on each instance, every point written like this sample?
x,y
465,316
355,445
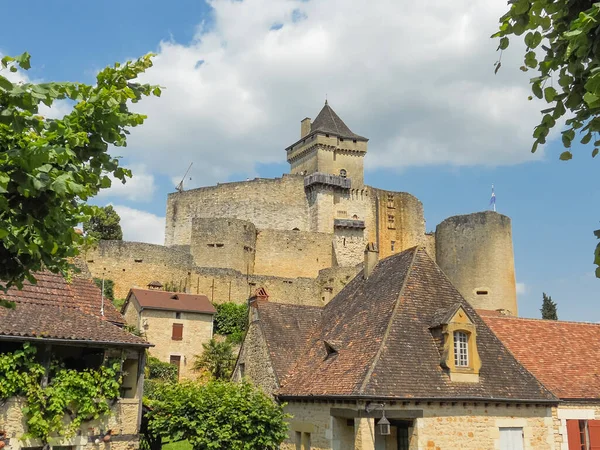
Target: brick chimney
x,y
371,259
304,127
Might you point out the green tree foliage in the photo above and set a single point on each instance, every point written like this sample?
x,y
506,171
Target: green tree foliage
x,y
231,320
218,416
158,372
564,34
109,288
104,224
548,309
82,395
49,168
217,359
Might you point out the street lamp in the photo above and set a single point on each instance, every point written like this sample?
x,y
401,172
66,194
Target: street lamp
x,y
383,423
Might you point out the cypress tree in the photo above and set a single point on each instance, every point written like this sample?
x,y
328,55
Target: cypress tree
x,y
548,309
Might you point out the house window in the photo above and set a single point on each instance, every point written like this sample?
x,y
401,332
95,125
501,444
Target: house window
x,y
393,245
461,352
391,224
176,361
511,438
178,315
177,334
583,434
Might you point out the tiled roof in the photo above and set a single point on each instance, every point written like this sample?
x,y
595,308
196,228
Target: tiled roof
x,y
172,301
52,289
286,329
381,330
56,309
329,122
562,355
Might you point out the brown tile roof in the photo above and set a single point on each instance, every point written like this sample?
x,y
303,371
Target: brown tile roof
x,y
52,289
380,328
56,309
329,122
171,301
286,329
562,355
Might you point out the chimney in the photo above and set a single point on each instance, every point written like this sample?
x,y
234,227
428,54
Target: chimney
x,y
304,127
371,259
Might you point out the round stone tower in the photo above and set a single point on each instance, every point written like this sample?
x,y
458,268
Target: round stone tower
x,y
475,251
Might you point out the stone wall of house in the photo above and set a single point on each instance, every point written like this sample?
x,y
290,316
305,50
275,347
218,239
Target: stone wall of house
x,y
158,328
123,421
278,203
252,357
135,264
443,426
571,411
286,253
475,251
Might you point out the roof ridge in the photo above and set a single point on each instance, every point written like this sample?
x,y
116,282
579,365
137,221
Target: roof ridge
x,y
330,111
389,325
535,319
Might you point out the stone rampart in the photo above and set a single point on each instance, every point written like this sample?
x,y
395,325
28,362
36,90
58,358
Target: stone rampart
x,y
278,203
475,251
292,253
135,264
225,243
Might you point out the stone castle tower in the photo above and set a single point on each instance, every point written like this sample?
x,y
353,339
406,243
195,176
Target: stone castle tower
x,y
302,236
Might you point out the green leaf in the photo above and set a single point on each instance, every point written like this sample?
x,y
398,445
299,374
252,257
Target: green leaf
x,y
594,152
536,88
503,45
550,94
5,83
586,139
565,156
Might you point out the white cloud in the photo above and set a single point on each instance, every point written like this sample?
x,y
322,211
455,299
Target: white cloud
x,y
415,77
141,226
140,187
521,288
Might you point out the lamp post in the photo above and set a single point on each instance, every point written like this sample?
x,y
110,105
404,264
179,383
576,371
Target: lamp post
x,y
383,423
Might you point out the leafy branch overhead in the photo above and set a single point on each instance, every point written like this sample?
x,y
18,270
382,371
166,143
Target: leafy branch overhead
x,y
563,48
50,167
568,74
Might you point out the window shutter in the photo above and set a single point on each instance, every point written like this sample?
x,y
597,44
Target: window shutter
x,y
573,435
594,429
177,332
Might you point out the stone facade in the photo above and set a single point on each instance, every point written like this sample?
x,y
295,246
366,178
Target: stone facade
x,y
428,425
123,421
157,326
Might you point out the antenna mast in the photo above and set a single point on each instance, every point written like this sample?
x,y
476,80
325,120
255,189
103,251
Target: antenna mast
x,y
179,187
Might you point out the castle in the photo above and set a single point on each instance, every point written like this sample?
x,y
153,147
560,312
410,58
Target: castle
x,y
301,237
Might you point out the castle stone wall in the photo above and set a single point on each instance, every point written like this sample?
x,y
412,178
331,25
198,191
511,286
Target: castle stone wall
x,y
349,246
278,203
135,264
475,251
226,243
400,221
292,253
430,244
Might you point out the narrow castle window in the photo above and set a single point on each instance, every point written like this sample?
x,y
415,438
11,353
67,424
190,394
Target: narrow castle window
x,y
354,140
219,245
210,245
393,245
390,200
391,224
178,315
461,352
138,260
482,292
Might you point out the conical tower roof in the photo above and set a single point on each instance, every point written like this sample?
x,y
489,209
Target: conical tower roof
x,y
330,123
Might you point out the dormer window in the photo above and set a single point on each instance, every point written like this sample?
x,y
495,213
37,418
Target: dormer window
x,y
461,349
457,340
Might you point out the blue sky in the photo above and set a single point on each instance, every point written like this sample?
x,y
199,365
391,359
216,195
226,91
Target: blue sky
x,y
240,75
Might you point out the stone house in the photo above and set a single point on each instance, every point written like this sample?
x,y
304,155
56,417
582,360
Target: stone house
x,y
68,321
564,357
176,323
400,342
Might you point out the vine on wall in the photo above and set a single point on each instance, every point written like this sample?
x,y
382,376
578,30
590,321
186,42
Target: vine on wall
x,y
80,395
